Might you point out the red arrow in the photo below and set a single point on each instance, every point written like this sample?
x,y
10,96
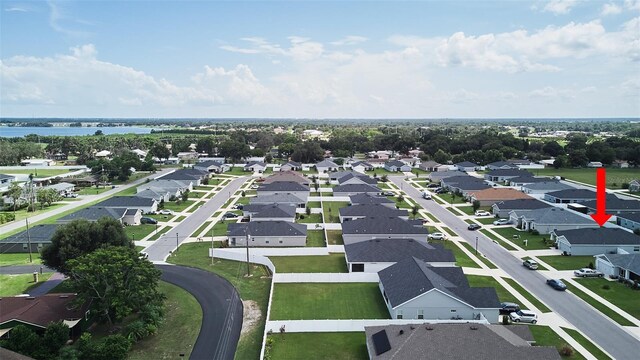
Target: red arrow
x,y
601,215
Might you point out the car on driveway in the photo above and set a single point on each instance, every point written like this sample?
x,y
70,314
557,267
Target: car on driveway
x,y
388,193
483,213
230,215
433,185
530,264
524,316
501,222
507,308
473,227
440,191
557,284
437,236
165,212
238,206
148,220
586,272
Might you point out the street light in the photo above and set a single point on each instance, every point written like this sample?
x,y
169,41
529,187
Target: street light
x,y
476,245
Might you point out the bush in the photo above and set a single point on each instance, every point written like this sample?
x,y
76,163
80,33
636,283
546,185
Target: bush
x,y
566,350
606,287
535,232
591,265
301,217
625,185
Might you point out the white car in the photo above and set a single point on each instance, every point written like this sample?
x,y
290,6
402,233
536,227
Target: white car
x,y
586,272
501,222
165,212
437,236
524,316
426,196
483,213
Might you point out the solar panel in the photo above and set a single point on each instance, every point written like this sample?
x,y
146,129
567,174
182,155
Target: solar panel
x,y
381,342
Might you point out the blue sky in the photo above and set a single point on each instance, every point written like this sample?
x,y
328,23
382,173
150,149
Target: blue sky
x,y
322,59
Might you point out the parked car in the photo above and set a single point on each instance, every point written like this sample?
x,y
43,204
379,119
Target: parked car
x,y
230,215
254,186
530,264
439,191
507,308
586,272
437,236
148,220
238,206
557,284
71,195
165,212
483,213
524,316
433,186
501,222
473,227
388,193
426,195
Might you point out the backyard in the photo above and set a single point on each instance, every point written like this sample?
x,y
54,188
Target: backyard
x,y
315,238
331,210
293,301
317,346
309,219
332,263
334,237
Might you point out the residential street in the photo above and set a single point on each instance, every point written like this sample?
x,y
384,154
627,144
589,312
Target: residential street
x,y
610,336
168,242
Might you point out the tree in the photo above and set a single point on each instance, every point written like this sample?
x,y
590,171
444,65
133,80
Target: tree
x,y
160,151
56,336
98,133
561,161
115,281
308,152
552,148
414,211
441,157
578,158
476,205
113,347
234,150
24,341
48,196
81,237
14,193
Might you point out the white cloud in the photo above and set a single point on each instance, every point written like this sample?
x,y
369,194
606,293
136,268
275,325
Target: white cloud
x,y
632,4
610,9
61,22
16,9
558,7
350,40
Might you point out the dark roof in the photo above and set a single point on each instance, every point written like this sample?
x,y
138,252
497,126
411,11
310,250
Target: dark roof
x,y
633,216
361,188
600,236
527,179
368,199
126,201
327,163
548,185
267,228
286,176
381,225
429,164
293,164
364,178
502,163
283,186
412,277
396,163
277,198
466,164
252,163
94,213
271,210
522,204
556,216
206,164
629,262
4,176
462,179
573,194
394,250
614,203
363,163
371,210
38,234
40,310
509,172
181,175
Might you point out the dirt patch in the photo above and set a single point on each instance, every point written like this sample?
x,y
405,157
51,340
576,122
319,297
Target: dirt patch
x,y
251,315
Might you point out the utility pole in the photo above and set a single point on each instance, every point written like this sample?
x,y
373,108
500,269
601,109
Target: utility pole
x,y
248,270
28,240
177,244
476,245
211,246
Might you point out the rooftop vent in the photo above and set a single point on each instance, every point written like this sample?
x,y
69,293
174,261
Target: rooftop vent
x,y
401,332
429,328
473,327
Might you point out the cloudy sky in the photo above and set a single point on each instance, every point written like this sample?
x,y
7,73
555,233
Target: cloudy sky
x,y
323,59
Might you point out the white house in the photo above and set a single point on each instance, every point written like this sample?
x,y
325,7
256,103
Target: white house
x,y
325,166
625,266
596,241
397,165
549,219
255,166
374,255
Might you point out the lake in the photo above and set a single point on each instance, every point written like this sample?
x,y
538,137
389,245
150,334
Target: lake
x,y
6,131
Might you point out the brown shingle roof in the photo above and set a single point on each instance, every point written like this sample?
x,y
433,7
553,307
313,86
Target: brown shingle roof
x,y
498,194
40,310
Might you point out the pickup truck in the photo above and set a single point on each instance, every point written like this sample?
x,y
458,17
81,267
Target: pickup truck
x,y
586,272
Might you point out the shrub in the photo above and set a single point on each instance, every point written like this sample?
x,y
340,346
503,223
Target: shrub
x,y
566,350
625,185
606,287
535,232
591,265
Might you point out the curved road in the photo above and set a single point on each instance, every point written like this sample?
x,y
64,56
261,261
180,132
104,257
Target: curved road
x,y
603,331
221,310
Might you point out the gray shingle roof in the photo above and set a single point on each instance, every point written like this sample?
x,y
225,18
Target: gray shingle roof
x,y
352,188
126,202
271,210
38,234
277,198
630,262
396,163
4,176
509,172
394,250
93,213
633,216
429,164
522,204
368,199
371,210
548,185
381,225
466,164
555,216
361,177
616,204
528,180
151,194
363,163
574,194
327,164
206,164
600,236
267,228
283,186
252,163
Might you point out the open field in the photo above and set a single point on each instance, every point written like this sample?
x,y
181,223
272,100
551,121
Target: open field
x,y
621,296
332,263
319,346
615,177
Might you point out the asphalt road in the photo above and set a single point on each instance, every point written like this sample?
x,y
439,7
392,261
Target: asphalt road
x,y
23,269
221,310
603,331
169,241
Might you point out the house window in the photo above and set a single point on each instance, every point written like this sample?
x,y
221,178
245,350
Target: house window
x,y
357,267
399,314
453,310
637,248
280,241
420,314
267,241
24,246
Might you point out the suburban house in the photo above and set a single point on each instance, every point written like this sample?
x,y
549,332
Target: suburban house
x,y
545,187
286,176
634,185
367,199
271,212
380,154
284,187
414,290
37,312
291,166
625,266
381,227
570,196
94,213
502,175
211,158
594,164
438,176
430,166
157,194
267,233
601,240
521,181
503,208
252,159
194,176
326,166
352,189
5,181
37,162
141,153
615,205
454,342
503,165
464,184
361,166
620,164
287,199
488,197
38,236
629,220
62,188
466,166
255,166
354,212
103,154
187,155
374,255
397,165
345,178
146,205
549,219
212,166
174,187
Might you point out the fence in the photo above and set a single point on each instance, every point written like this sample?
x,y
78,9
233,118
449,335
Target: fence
x,y
325,278
352,325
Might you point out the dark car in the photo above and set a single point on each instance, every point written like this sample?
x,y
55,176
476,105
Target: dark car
x,y
230,215
388,193
507,308
473,227
433,186
557,284
440,191
148,220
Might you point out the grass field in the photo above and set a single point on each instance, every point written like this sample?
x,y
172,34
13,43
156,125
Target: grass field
x,y
485,220
450,199
220,228
331,210
334,237
255,288
600,306
201,229
22,213
332,263
183,315
319,346
38,172
462,259
11,285
195,194
532,299
545,336
19,259
315,238
588,175
309,219
327,301
560,262
487,281
313,204
621,296
138,232
93,190
535,242
599,354
431,217
172,205
449,231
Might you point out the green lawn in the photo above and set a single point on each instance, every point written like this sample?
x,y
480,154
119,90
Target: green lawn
x,y
138,232
545,336
220,228
195,194
183,315
294,301
462,259
498,240
599,354
482,258
38,172
309,219
93,190
535,242
449,231
432,218
532,299
313,204
486,220
560,262
331,210
157,235
621,296
19,259
243,200
315,238
487,281
334,237
22,213
450,199
255,288
469,211
318,346
139,248
237,170
172,205
332,263
201,229
600,306
11,285
588,175
160,217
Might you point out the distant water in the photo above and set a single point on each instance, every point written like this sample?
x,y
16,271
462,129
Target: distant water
x,y
15,131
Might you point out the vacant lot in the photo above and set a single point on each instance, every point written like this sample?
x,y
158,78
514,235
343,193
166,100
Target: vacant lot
x,y
327,301
318,346
332,263
616,293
